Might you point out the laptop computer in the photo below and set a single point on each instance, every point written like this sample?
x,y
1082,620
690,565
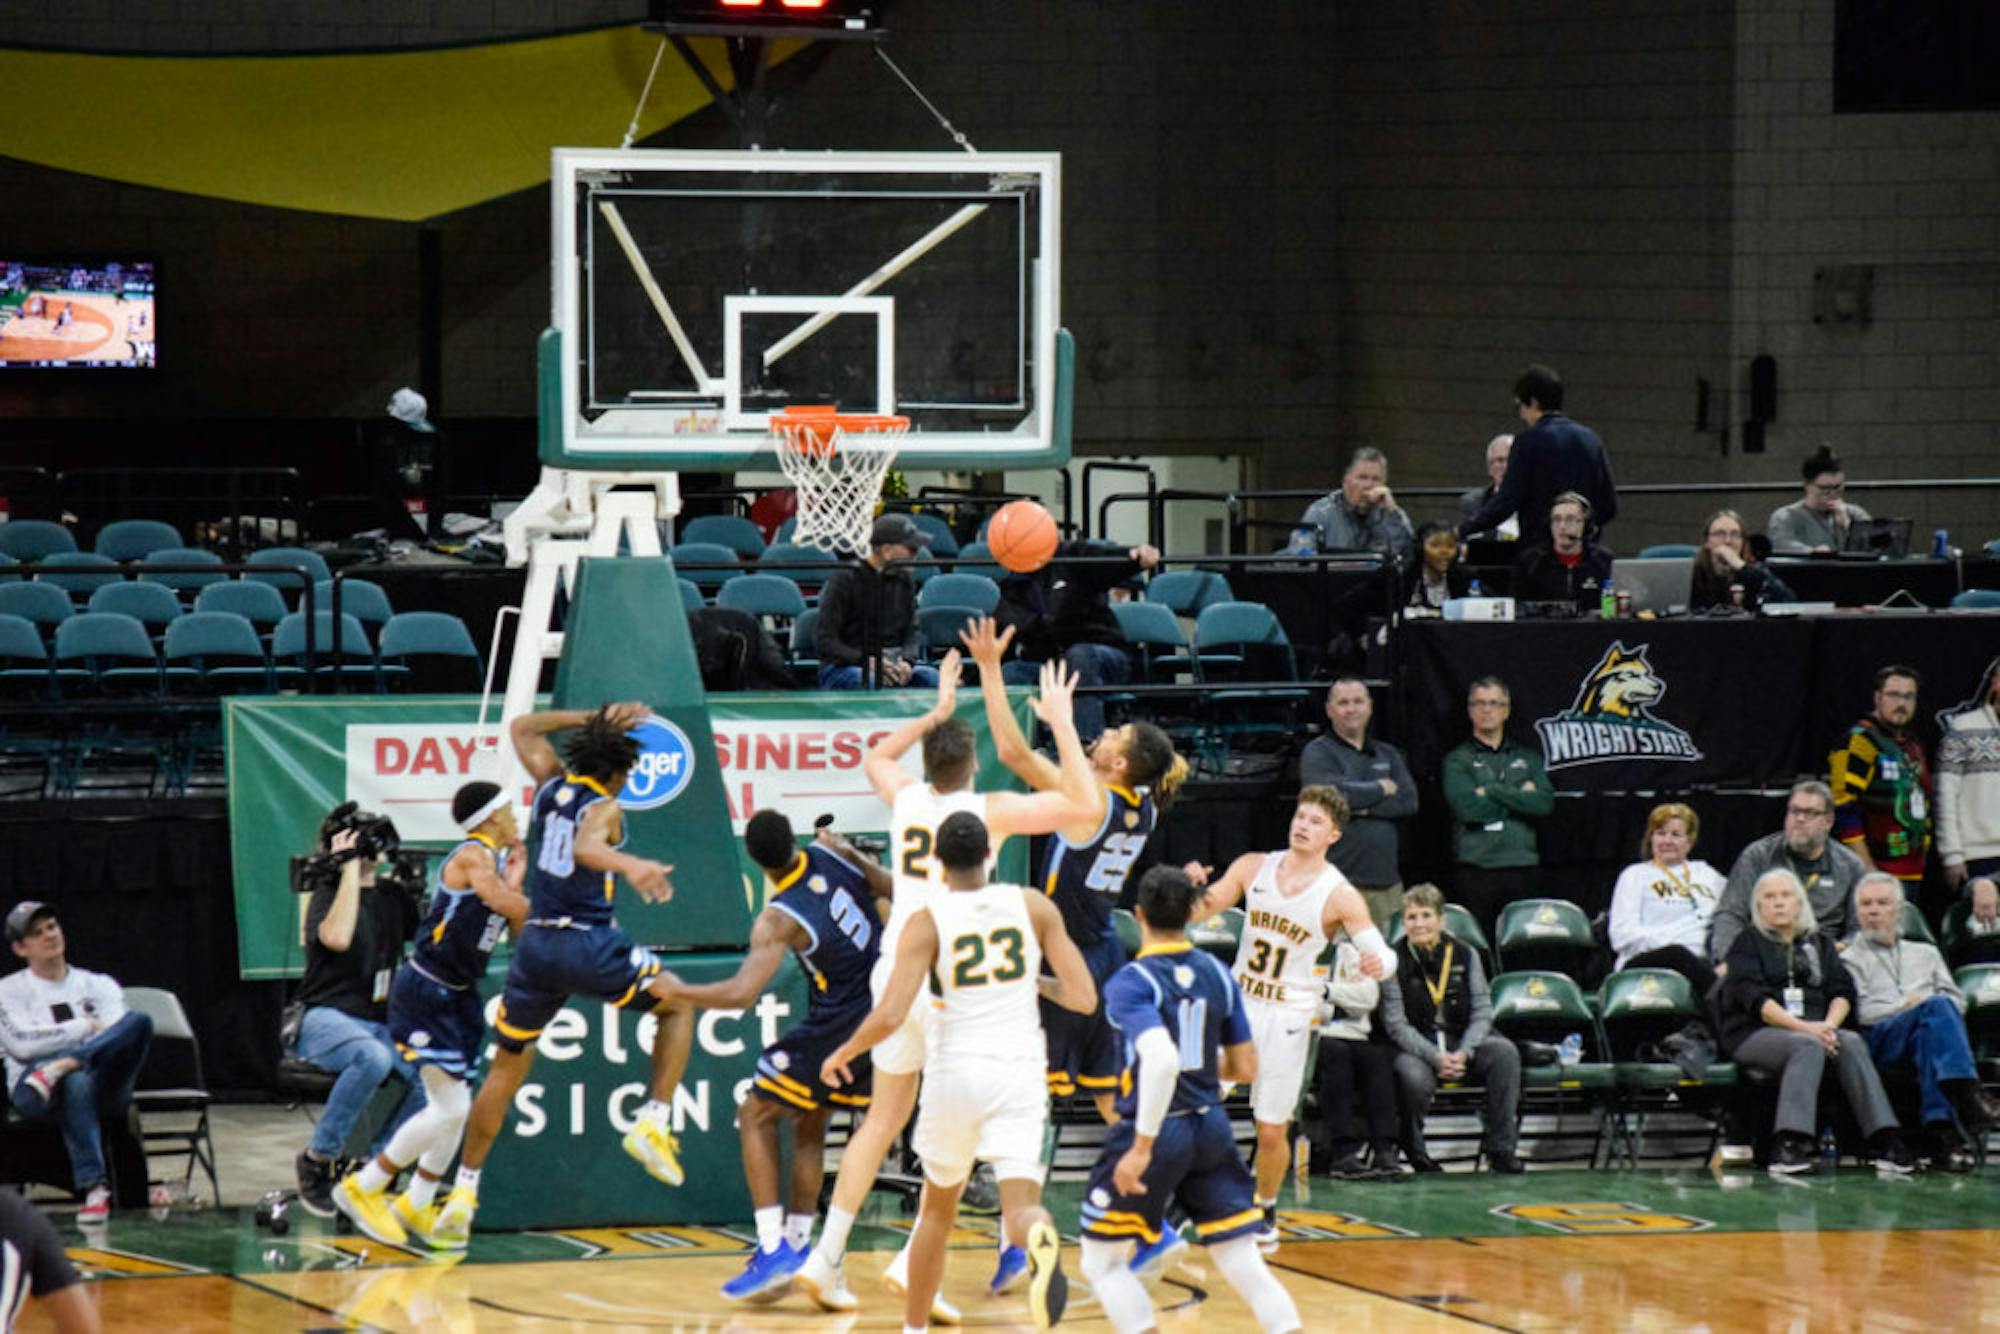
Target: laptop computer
x,y
1661,585
1879,539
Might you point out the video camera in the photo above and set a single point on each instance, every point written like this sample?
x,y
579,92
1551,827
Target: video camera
x,y
375,837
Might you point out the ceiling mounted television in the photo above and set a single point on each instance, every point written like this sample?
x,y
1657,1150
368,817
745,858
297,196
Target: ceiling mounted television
x,y
74,314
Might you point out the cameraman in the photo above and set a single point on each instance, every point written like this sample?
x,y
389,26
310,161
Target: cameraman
x,y
355,932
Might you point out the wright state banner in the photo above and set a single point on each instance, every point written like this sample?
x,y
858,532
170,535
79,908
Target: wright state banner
x,y
1623,705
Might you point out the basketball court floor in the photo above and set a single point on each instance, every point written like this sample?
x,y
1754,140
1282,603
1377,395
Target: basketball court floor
x,y
1665,1250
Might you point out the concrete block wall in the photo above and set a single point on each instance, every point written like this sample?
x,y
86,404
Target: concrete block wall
x,y
1915,198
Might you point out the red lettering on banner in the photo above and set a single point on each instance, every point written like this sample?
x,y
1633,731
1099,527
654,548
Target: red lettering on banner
x,y
429,757
773,752
742,802
391,755
811,753
846,751
722,749
464,750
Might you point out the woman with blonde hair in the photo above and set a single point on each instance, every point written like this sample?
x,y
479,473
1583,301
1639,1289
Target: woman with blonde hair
x,y
1661,906
1783,1008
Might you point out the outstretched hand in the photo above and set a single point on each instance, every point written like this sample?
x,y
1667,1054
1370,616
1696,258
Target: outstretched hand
x,y
652,880
985,641
947,696
626,715
1198,873
1058,693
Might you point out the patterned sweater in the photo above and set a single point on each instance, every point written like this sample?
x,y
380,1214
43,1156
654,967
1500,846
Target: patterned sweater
x,y
1968,783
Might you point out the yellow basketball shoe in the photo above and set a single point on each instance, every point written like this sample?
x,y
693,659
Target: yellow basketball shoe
x,y
370,1211
420,1221
451,1228
657,1151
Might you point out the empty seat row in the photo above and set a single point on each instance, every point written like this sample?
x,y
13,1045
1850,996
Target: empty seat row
x,y
157,607
109,654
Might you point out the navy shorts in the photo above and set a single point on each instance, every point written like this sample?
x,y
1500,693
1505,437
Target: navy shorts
x,y
433,1024
788,1071
1195,1161
551,964
1085,1052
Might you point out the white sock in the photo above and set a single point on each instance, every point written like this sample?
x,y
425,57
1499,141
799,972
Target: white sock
x,y
372,1177
423,1189
1117,1289
657,1112
916,1329
798,1230
770,1226
833,1234
468,1179
1246,1271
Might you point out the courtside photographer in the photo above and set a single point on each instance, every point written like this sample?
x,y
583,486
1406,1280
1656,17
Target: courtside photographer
x,y
366,901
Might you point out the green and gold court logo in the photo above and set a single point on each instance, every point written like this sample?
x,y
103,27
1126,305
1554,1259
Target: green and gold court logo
x,y
1612,717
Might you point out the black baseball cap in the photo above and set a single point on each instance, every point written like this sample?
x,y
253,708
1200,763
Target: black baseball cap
x,y
21,920
897,530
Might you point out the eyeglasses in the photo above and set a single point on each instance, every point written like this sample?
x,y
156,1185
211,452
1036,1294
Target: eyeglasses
x,y
1809,812
1826,490
1489,704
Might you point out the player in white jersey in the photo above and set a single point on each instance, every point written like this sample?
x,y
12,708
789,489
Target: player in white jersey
x,y
981,947
1294,902
919,808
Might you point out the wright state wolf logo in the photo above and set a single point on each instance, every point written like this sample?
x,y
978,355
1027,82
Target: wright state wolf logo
x,y
1612,717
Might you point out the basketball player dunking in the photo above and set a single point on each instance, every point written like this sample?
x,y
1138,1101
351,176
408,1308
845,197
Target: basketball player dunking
x,y
1293,904
917,809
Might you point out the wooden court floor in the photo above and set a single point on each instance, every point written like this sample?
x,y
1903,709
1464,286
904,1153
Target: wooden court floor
x,y
1549,1251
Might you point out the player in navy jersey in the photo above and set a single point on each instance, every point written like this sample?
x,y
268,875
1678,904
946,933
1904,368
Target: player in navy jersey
x,y
823,912
435,1018
1181,1019
570,944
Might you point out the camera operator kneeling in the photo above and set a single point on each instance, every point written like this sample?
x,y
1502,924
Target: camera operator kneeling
x,y
356,927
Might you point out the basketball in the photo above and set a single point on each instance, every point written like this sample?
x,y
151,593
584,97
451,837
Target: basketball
x,y
1022,536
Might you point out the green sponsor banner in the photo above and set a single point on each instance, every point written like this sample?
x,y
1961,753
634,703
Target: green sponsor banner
x,y
293,759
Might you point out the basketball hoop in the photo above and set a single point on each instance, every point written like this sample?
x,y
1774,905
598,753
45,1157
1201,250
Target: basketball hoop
x,y
837,460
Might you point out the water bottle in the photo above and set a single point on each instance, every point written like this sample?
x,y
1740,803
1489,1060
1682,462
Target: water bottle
x,y
1941,544
1305,541
1607,602
1829,1149
1472,590
1571,1050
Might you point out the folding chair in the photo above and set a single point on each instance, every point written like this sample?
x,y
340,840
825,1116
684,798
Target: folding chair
x,y
1544,933
1638,1008
1548,1007
171,1084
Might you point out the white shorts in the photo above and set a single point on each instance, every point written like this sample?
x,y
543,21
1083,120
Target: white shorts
x,y
902,1052
1283,1038
993,1112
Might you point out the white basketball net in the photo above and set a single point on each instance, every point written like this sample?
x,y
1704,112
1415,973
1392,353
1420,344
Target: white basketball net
x,y
840,481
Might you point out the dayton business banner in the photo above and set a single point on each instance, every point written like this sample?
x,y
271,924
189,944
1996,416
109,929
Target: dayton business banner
x,y
291,760
1624,705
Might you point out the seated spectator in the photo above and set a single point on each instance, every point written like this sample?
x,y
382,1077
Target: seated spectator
x,y
1913,1013
1821,520
1063,610
73,1049
1981,943
1471,501
1362,515
1726,563
1803,847
1355,1073
1660,907
1781,1009
1570,569
1438,575
868,612
1439,1014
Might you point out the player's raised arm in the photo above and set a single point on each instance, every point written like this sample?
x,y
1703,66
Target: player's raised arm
x,y
1072,986
1079,798
915,954
530,734
773,935
1345,908
988,645
881,884
883,763
595,836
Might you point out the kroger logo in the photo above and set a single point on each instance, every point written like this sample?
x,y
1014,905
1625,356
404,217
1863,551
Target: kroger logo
x,y
666,763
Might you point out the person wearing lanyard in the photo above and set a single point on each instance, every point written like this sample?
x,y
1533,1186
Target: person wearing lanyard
x,y
1439,1014
1825,870
1660,907
1782,1006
